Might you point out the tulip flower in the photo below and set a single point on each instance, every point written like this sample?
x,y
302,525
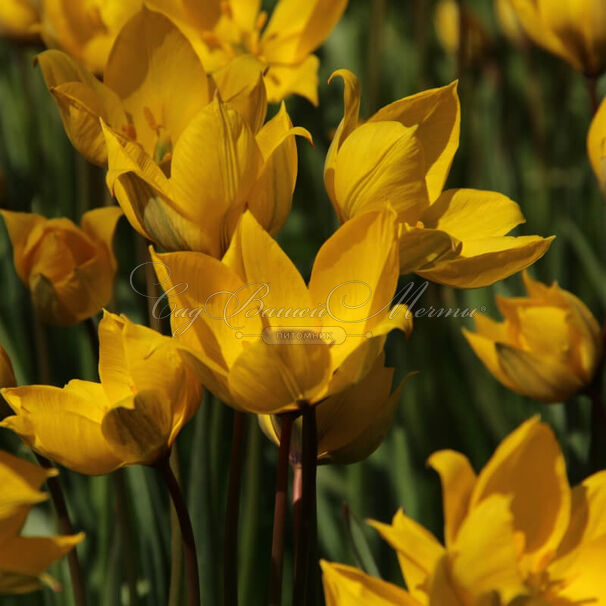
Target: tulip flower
x,y
351,424
19,19
549,347
516,533
23,560
596,145
69,270
265,342
400,157
86,30
220,30
132,416
153,86
575,31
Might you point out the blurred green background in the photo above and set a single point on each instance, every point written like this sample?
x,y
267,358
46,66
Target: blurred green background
x,y
524,124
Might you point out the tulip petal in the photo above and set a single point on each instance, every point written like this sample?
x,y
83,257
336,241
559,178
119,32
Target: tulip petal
x,y
458,479
485,560
538,377
298,27
22,229
272,379
215,191
417,549
63,424
100,225
155,71
596,144
420,247
301,79
484,262
529,465
381,164
437,112
82,101
271,197
348,586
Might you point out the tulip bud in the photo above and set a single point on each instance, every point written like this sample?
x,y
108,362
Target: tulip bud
x,y
69,270
549,347
352,424
596,145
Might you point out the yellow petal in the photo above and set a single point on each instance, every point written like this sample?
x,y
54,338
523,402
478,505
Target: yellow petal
x,y
596,144
18,19
485,348
100,225
154,70
301,79
351,112
485,559
203,14
458,479
137,429
537,376
470,214
437,112
417,549
381,164
63,424
24,231
420,247
298,27
214,192
240,84
529,467
348,586
271,197
31,556
484,262
82,101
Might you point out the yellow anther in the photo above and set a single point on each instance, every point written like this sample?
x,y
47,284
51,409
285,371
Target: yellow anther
x,y
226,9
149,118
130,131
261,20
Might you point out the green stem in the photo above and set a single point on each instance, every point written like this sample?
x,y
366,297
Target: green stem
x,y
176,549
232,511
304,593
277,544
187,533
592,91
66,528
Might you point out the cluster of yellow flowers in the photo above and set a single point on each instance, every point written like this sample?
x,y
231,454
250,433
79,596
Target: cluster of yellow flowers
x,y
178,121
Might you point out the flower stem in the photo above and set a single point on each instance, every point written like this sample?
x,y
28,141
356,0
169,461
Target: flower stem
x,y
304,593
277,544
65,526
297,493
232,511
176,550
187,533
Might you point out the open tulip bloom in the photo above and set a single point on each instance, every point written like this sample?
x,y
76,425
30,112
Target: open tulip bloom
x,y
132,416
400,157
23,560
515,534
261,339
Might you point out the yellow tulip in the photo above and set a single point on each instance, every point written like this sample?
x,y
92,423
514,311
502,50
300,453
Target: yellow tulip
x,y
401,158
548,348
264,341
575,30
198,206
7,374
596,145
86,29
153,86
19,19
132,416
516,533
222,29
69,270
23,560
351,424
